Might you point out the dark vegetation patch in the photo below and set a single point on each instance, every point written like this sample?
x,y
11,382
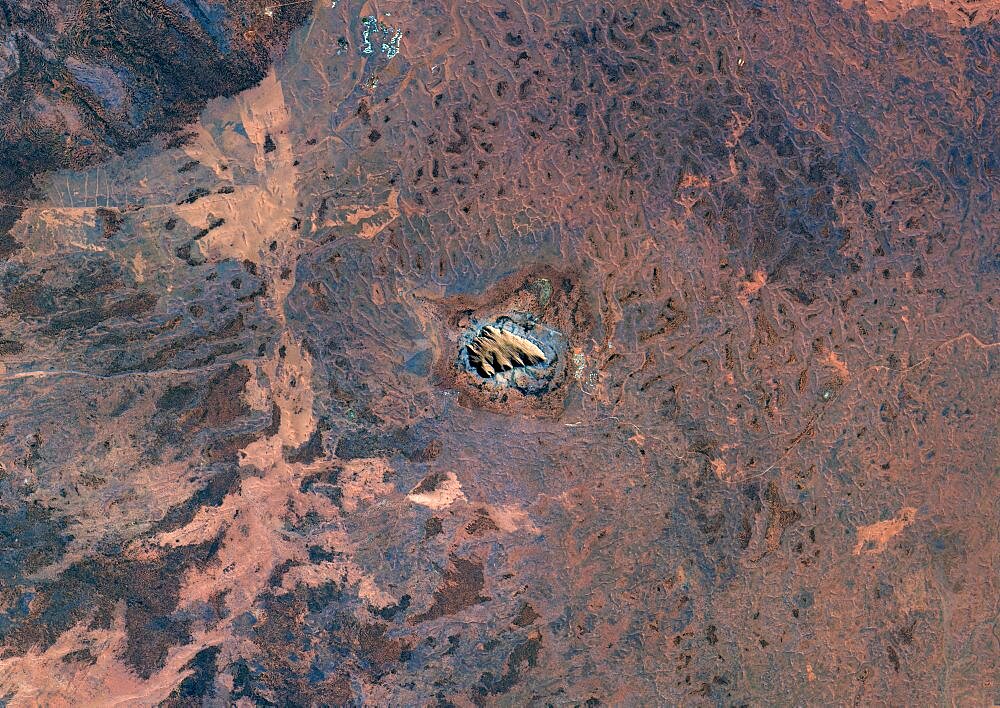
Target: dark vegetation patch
x,y
430,483
220,485
526,615
481,524
194,195
190,254
90,590
366,443
309,451
212,416
325,483
211,407
523,657
331,645
432,527
110,221
80,656
199,685
392,611
30,539
461,587
10,347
